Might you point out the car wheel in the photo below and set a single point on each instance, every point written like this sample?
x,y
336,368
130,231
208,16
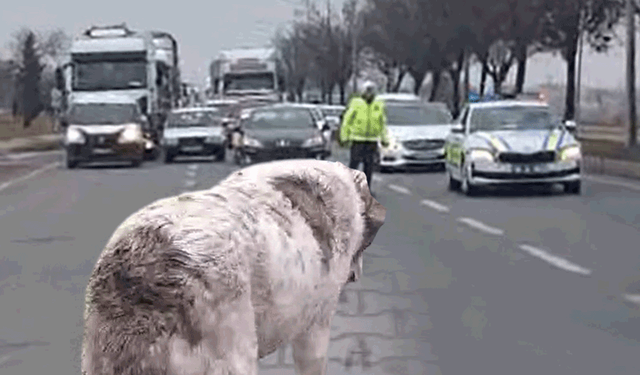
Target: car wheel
x,y
465,186
221,155
574,187
135,163
69,162
168,158
453,183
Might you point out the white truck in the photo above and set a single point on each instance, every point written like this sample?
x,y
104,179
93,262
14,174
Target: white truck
x,y
252,73
113,61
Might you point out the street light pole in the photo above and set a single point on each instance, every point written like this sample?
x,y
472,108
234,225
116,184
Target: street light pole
x,y
578,101
631,72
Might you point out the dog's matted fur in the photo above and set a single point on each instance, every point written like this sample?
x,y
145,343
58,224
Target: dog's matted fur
x,y
210,281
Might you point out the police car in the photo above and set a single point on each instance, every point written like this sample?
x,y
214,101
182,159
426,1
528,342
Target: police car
x,y
511,142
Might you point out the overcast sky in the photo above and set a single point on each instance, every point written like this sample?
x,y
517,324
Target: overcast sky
x,y
203,28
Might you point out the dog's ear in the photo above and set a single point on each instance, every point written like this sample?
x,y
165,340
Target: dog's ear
x,y
373,212
310,195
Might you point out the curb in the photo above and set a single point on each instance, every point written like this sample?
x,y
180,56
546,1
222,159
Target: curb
x,y
603,166
42,143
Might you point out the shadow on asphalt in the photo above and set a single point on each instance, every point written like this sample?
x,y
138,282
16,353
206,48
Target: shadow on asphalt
x,y
415,170
520,192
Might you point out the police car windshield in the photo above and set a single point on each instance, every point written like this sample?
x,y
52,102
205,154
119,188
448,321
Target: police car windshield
x,y
210,117
288,118
413,114
512,118
103,114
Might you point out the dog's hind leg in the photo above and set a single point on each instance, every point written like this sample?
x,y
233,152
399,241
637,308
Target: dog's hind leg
x,y
229,344
310,350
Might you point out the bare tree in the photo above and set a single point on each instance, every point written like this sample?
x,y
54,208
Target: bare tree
x,y
566,20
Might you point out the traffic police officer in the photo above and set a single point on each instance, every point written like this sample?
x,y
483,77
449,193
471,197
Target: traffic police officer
x,y
363,125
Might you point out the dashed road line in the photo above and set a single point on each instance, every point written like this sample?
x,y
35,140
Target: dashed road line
x,y
399,189
481,226
26,155
28,176
189,183
191,174
555,260
634,298
435,205
192,167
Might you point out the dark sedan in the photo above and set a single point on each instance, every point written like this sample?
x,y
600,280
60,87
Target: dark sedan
x,y
278,132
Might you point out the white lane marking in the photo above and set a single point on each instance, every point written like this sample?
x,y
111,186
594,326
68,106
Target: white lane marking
x,y
555,260
191,174
635,298
623,184
28,176
399,189
377,178
435,205
190,183
473,223
192,167
26,155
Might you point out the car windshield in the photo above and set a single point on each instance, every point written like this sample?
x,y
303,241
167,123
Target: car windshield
x,y
512,118
408,115
103,114
194,119
272,118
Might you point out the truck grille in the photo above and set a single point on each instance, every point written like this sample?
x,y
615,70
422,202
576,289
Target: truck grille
x,y
518,158
423,144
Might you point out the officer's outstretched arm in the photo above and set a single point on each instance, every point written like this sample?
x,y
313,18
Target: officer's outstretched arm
x,y
384,136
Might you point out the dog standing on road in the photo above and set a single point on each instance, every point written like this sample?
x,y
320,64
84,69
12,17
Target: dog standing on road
x,y
207,282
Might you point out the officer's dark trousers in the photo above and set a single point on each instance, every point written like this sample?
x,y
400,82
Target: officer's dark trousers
x,y
364,152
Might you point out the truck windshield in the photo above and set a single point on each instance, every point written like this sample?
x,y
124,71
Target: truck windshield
x,y
93,74
103,114
253,81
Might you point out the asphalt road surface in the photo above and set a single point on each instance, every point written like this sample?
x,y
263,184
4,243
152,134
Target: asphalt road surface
x,y
505,283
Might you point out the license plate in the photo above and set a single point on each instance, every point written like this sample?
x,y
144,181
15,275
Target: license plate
x,y
102,151
192,148
528,168
425,155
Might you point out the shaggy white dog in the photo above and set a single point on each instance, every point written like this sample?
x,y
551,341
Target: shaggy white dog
x,y
210,281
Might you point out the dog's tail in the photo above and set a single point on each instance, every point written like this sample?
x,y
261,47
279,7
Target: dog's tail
x,y
137,300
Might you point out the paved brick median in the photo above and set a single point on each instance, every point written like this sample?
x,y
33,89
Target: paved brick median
x,y
375,330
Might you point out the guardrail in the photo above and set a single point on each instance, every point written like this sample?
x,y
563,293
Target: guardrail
x,y
598,132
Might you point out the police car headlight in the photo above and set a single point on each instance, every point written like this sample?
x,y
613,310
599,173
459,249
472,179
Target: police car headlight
x,y
481,155
250,142
214,139
170,141
74,136
315,141
131,133
570,153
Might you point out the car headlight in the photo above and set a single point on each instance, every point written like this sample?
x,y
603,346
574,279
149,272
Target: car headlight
x,y
74,136
393,147
250,142
131,133
315,141
170,141
570,153
214,139
481,155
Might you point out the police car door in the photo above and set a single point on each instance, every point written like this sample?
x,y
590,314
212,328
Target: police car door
x,y
455,140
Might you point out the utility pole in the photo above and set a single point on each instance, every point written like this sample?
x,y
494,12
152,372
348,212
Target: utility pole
x,y
578,102
631,72
354,50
